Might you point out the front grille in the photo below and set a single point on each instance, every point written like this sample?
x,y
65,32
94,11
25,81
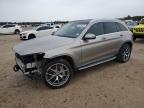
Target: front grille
x,y
139,29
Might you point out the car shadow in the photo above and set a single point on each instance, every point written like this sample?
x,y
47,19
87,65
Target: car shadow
x,y
139,41
78,75
38,83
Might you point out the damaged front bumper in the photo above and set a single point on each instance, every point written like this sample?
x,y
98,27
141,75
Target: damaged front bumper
x,y
31,63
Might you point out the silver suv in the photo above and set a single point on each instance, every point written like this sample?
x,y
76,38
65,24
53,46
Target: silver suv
x,y
76,46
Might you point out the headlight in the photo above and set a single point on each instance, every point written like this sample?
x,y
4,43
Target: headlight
x,y
31,65
24,34
31,57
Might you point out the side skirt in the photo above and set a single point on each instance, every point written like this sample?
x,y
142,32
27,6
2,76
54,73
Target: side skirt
x,y
96,63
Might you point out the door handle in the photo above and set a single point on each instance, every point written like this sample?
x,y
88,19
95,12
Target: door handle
x,y
121,35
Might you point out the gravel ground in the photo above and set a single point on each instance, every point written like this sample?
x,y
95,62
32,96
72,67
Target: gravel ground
x,y
110,85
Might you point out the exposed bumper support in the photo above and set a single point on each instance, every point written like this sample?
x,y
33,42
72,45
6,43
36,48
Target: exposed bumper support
x,y
16,68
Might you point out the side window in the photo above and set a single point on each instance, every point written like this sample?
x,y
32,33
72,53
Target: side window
x,y
11,25
41,28
118,27
123,28
44,28
7,26
96,29
109,27
48,27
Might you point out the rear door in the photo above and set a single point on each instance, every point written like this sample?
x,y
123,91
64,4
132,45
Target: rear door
x,y
4,29
7,29
123,30
113,37
11,28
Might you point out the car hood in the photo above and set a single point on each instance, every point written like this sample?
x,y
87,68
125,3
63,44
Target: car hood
x,y
139,26
44,44
29,31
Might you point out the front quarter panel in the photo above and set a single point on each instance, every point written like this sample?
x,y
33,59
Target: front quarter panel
x,y
72,50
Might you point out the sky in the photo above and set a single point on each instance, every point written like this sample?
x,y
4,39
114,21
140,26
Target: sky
x,y
52,10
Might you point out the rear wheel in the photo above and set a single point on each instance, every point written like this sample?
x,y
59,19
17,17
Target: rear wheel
x,y
17,31
124,53
57,73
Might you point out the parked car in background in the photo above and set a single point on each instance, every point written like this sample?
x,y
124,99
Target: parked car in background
x,y
40,31
77,45
138,31
131,24
50,24
10,29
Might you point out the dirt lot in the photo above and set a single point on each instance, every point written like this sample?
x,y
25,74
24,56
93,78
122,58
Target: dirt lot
x,y
110,85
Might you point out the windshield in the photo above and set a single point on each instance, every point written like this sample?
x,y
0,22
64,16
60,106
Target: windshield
x,y
71,30
142,21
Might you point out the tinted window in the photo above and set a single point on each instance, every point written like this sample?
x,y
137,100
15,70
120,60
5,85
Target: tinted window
x,y
118,27
96,29
109,27
7,26
44,28
41,28
48,27
123,28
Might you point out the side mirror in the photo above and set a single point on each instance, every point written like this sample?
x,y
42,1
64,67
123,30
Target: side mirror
x,y
89,36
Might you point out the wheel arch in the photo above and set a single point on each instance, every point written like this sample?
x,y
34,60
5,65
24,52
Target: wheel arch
x,y
16,30
65,57
129,43
32,34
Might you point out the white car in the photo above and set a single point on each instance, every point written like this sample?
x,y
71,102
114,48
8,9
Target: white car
x,y
40,31
10,29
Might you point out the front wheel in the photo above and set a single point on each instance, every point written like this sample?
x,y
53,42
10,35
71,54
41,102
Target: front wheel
x,y
124,54
57,73
31,36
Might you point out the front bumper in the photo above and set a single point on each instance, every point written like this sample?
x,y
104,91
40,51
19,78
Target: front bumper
x,y
23,37
29,63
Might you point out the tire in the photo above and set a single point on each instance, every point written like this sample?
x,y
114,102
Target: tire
x,y
124,54
57,74
31,36
17,31
134,38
